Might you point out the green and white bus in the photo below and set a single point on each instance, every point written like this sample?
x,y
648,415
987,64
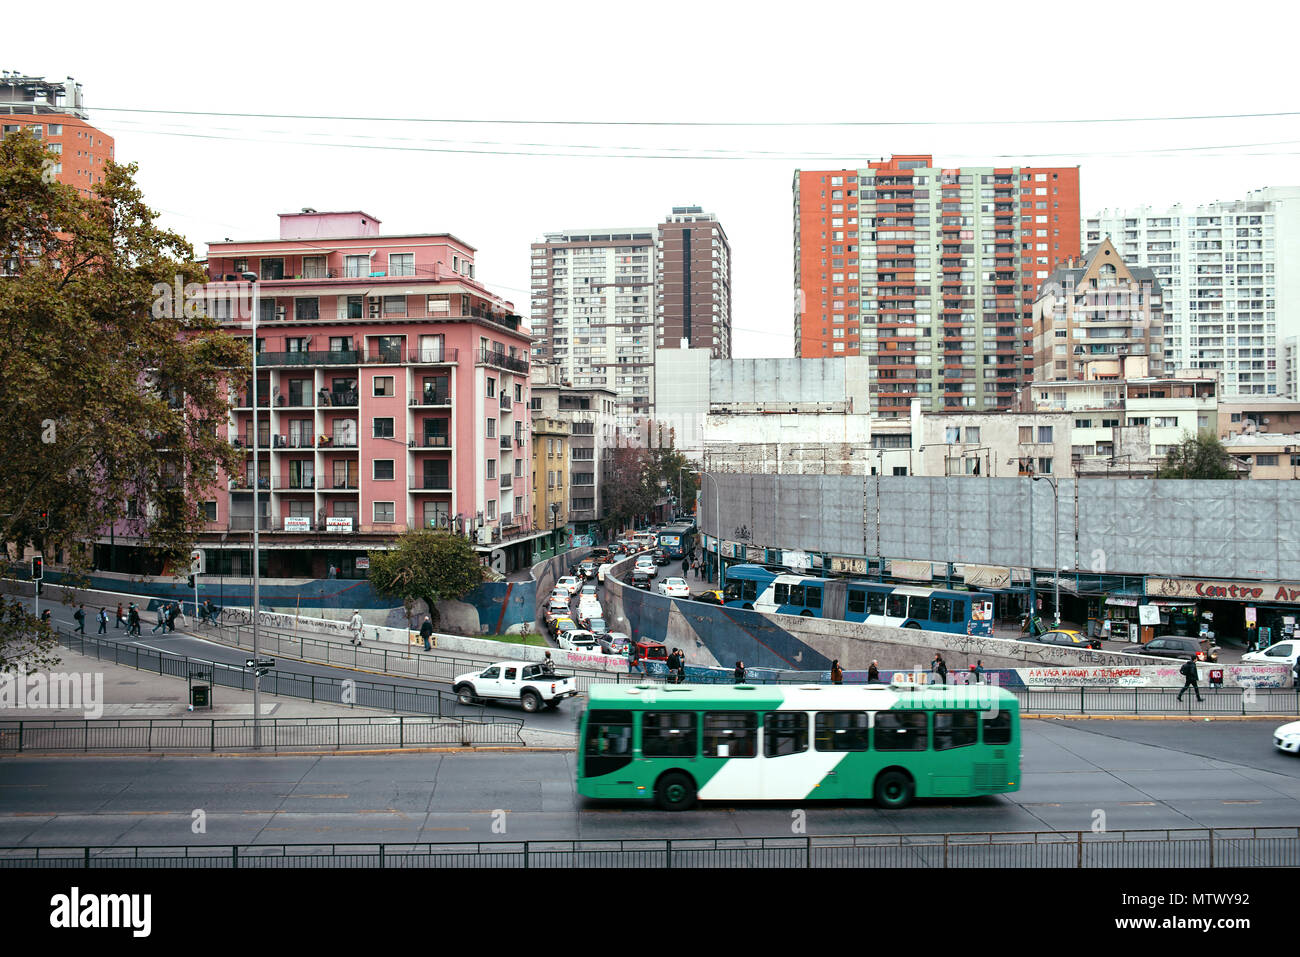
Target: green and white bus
x,y
674,743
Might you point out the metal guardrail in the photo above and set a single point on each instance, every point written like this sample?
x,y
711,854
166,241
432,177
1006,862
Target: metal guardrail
x,y
233,734
1160,848
349,692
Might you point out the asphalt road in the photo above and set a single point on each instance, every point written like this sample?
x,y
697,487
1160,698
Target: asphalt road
x,y
1140,775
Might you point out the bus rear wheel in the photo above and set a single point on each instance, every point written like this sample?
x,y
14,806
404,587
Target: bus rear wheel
x,y
675,791
894,790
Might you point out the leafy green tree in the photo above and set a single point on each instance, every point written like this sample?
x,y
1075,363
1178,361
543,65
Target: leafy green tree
x,y
632,489
105,401
673,469
429,565
1198,457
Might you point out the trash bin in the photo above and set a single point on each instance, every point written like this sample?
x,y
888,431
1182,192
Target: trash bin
x,y
199,695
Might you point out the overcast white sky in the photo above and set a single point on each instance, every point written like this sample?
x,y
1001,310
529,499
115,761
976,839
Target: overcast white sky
x,y
671,62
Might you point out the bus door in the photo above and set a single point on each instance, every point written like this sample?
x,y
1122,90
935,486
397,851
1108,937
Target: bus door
x,y
785,772
836,736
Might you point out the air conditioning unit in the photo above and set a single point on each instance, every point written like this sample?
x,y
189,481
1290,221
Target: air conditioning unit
x,y
281,311
374,304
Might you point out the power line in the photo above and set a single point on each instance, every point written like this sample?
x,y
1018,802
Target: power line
x,y
708,123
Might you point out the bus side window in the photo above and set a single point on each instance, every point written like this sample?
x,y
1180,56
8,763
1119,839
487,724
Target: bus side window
x,y
784,732
813,597
876,602
959,611
796,595
609,732
954,729
900,731
750,591
941,610
730,734
997,727
919,608
843,731
781,593
857,603
668,734
896,606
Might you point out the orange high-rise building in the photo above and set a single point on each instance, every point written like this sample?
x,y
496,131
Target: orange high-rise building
x,y
55,113
931,272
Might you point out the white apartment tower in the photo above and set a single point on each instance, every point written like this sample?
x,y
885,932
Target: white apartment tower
x,y
1230,273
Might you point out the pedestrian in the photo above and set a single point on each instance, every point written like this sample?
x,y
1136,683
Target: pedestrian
x,y
837,673
80,615
548,665
103,621
740,672
172,612
161,622
45,619
121,617
1188,671
977,672
333,572
133,621
356,626
873,674
426,632
634,658
686,565
939,668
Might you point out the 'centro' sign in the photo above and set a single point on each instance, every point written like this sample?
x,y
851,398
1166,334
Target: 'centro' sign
x,y
1195,588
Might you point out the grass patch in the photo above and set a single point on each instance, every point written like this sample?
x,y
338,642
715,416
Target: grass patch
x,y
536,640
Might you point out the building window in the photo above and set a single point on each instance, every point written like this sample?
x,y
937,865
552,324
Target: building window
x,y
491,387
272,268
491,468
383,428
491,428
1266,460
1045,434
209,511
401,264
383,470
385,514
1044,466
384,386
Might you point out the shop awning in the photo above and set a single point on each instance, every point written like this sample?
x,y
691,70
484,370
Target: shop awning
x,y
1127,602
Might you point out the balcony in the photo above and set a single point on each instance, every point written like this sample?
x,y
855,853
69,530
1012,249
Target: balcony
x,y
431,483
329,483
328,443
244,523
501,360
288,442
432,397
505,442
435,441
343,358
242,483
433,356
342,398
287,483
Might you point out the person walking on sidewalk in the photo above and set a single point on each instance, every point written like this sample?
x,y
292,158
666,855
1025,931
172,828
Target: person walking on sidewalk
x,y
103,621
133,621
121,618
1188,671
837,673
356,626
80,615
426,632
873,673
172,612
938,667
161,622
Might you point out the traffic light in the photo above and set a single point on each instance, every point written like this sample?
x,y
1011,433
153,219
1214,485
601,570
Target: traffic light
x,y
44,518
191,581
38,568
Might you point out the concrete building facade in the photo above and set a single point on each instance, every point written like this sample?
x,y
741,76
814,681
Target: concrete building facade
x,y
592,417
693,294
56,114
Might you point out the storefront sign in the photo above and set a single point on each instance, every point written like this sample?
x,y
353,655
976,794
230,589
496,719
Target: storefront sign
x,y
1149,614
914,571
293,523
338,524
851,566
796,561
363,564
986,576
755,553
1288,592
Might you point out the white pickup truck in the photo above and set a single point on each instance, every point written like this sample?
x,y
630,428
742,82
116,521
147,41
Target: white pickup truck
x,y
521,681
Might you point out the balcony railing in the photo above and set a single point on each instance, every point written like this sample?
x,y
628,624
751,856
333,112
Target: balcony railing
x,y
431,397
341,397
290,484
333,484
327,442
244,523
287,442
431,442
501,360
506,442
432,356
431,483
341,358
241,482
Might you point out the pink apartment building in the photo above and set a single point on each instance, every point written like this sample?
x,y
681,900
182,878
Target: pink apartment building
x,y
393,393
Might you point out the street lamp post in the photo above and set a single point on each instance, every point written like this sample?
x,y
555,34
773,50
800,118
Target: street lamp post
x,y
1056,545
251,278
555,515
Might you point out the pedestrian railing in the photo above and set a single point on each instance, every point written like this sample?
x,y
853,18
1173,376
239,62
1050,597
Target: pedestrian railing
x,y
1156,849
338,690
237,734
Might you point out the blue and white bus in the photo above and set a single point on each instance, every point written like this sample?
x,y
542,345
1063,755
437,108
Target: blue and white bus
x,y
677,540
898,606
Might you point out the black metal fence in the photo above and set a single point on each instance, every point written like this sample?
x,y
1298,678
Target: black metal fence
x,y
234,734
1191,847
349,692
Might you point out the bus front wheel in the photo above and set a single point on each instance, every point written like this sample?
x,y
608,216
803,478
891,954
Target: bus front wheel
x,y
894,789
675,791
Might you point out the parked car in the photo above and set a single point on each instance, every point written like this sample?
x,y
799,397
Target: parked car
x,y
1287,738
1281,653
1178,646
1067,637
675,588
570,583
521,681
641,578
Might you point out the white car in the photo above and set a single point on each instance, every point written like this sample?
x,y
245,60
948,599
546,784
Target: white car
x,y
603,571
590,609
1282,653
569,583
646,564
579,640
1287,738
675,588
